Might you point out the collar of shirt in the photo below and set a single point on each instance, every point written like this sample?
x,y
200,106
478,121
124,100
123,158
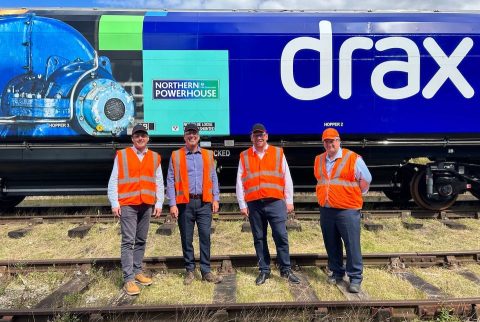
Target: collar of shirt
x,y
138,152
337,156
198,150
258,152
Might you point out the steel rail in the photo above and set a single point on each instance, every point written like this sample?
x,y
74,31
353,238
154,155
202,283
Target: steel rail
x,y
224,215
417,259
468,307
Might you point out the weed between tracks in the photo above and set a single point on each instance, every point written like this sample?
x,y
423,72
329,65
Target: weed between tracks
x,y
275,288
453,284
51,241
25,290
381,285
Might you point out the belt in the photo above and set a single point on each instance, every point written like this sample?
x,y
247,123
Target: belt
x,y
194,196
267,200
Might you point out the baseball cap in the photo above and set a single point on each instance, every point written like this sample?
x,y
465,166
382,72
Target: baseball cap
x,y
191,127
139,128
330,134
258,127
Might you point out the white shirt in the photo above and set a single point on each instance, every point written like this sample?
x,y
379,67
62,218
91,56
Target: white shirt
x,y
113,182
288,192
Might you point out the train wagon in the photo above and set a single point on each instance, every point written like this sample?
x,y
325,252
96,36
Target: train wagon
x,y
399,87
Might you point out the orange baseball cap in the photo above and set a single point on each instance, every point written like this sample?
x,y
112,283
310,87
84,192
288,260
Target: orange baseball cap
x,y
330,134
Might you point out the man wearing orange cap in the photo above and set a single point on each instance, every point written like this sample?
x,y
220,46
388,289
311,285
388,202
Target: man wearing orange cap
x,y
342,177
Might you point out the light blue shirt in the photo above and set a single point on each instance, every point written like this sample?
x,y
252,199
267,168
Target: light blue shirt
x,y
113,182
361,170
195,177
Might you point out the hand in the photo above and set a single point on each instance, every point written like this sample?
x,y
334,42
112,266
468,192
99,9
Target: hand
x,y
364,185
244,212
157,212
215,206
116,211
174,212
290,208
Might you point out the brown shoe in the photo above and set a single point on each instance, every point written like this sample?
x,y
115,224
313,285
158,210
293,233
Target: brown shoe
x,y
142,279
189,277
131,288
209,277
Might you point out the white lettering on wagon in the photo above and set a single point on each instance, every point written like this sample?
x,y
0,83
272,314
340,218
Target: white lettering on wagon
x,y
448,66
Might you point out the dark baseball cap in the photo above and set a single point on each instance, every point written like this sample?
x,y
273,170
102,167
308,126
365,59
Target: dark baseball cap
x,y
191,127
258,127
139,128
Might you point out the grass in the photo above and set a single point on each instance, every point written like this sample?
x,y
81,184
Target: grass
x,y
324,291
434,236
51,241
275,288
473,268
379,284
169,289
103,288
25,290
453,284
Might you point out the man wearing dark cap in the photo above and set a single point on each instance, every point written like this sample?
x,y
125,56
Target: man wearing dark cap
x,y
342,177
135,187
193,193
265,195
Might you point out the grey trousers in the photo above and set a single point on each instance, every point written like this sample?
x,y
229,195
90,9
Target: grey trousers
x,y
134,221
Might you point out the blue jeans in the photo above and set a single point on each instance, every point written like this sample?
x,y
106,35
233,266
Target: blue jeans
x,y
274,212
134,222
196,211
342,225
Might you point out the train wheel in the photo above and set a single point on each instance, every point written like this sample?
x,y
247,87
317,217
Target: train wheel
x,y
402,176
418,188
8,202
401,196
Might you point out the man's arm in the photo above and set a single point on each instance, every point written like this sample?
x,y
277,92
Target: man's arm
x,y
172,202
113,189
362,175
240,192
288,192
160,191
215,188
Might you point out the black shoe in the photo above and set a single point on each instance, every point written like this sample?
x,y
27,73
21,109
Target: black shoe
x,y
332,280
292,278
262,277
354,288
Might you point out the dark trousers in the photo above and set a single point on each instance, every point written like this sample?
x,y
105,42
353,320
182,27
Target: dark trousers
x,y
196,211
338,225
134,222
274,212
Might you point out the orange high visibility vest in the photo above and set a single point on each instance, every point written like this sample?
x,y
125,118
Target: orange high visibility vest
x,y
340,190
263,178
136,179
179,162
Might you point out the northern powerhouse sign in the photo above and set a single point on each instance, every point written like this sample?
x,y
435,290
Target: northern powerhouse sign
x,y
185,89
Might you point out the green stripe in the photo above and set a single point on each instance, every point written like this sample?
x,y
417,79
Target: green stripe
x,y
120,32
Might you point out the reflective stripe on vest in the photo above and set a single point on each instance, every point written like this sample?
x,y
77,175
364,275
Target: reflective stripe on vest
x,y
179,163
341,190
137,181
258,184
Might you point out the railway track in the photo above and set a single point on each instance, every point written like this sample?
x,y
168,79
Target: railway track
x,y
467,309
98,216
398,260
224,306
